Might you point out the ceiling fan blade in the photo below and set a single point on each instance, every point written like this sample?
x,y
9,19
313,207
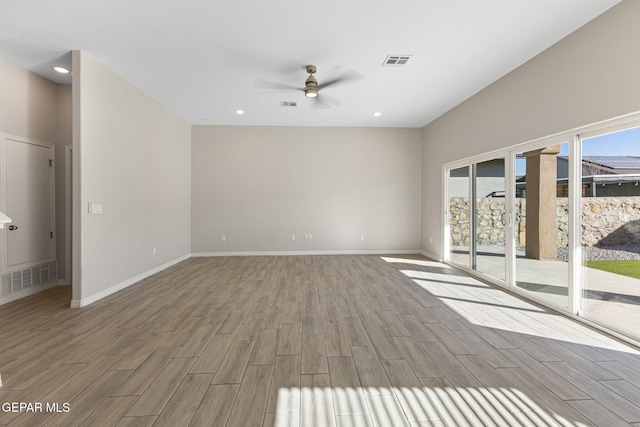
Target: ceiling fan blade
x,y
346,77
319,103
269,85
325,101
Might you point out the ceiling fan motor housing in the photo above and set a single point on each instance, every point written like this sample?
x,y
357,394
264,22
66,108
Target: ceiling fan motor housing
x,y
311,84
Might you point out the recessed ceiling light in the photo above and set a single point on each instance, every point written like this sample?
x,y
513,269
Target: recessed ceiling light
x,y
62,70
239,112
377,114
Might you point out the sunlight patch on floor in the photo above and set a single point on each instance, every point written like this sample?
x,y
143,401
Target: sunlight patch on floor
x,y
420,262
405,406
444,277
480,304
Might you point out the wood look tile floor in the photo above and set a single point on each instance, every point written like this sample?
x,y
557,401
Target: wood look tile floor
x,y
310,341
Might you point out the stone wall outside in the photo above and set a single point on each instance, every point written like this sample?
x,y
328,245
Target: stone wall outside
x,y
606,221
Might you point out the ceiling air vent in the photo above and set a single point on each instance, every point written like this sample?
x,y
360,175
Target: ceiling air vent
x,y
288,104
396,61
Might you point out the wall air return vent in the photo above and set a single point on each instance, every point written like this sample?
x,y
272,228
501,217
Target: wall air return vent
x,y
396,61
22,280
288,104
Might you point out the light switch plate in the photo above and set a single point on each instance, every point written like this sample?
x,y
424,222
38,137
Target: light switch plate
x,y
95,209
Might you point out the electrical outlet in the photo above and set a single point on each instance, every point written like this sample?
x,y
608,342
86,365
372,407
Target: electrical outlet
x,y
310,236
430,239
154,250
293,237
361,236
223,238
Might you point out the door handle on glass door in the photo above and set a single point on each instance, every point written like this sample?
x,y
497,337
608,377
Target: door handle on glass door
x,y
13,227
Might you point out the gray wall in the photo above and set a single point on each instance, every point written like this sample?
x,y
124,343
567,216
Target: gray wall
x,y
131,155
259,185
590,76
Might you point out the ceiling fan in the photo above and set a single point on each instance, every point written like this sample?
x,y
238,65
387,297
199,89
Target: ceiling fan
x,y
311,87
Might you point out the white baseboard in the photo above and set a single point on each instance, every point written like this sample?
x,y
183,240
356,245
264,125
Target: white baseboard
x,y
294,253
30,291
432,256
115,288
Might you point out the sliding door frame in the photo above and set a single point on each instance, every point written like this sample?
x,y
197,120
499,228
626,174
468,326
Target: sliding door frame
x,y
470,163
446,241
574,138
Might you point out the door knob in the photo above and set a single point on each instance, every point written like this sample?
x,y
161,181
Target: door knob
x,y
13,227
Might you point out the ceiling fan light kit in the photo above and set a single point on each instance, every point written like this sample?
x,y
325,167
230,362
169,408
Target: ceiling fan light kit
x,y
311,84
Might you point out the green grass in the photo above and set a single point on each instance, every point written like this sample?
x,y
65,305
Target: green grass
x,y
629,268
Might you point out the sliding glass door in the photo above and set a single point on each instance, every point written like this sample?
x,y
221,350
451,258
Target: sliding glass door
x,y
541,222
610,238
459,215
509,220
476,217
489,231
556,220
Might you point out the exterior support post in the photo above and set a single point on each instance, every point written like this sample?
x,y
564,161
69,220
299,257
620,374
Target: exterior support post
x,y
541,191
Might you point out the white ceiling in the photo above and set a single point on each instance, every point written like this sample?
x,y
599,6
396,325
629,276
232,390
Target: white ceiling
x,y
201,58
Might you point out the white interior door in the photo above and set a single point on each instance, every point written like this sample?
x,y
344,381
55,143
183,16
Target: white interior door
x,y
29,201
